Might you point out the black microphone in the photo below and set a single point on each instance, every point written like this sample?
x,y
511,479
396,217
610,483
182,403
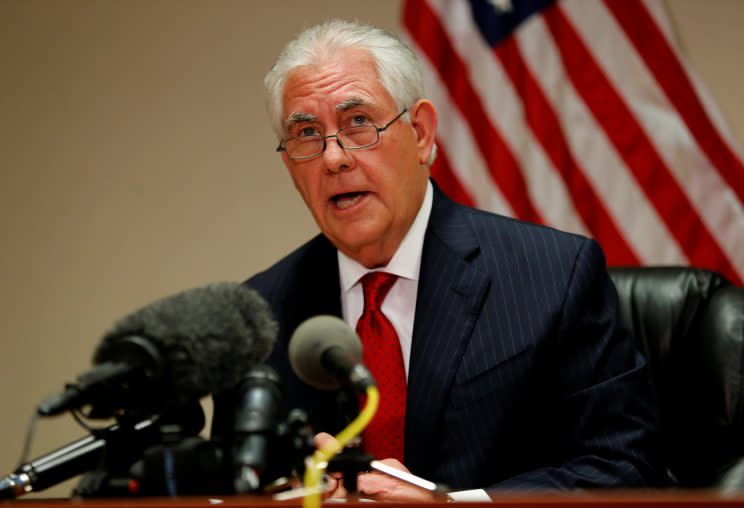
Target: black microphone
x,y
259,400
128,439
175,350
326,353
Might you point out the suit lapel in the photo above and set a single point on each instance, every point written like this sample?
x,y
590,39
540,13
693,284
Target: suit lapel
x,y
450,297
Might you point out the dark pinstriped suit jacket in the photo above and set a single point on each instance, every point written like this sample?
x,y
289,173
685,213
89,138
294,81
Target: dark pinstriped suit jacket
x,y
520,372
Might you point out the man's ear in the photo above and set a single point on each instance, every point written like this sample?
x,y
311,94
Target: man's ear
x,y
424,121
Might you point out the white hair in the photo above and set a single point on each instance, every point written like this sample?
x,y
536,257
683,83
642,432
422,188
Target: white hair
x,y
398,67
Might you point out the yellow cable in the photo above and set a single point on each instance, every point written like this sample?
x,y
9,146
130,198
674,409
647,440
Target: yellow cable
x,y
317,463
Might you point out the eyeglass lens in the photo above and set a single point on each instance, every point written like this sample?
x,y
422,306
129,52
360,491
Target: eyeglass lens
x,y
351,138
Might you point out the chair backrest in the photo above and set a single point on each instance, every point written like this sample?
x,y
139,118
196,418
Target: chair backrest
x,y
689,324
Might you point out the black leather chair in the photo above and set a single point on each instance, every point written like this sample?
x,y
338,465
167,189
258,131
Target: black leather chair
x,y
689,324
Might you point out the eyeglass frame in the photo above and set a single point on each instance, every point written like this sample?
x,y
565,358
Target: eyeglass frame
x,y
283,142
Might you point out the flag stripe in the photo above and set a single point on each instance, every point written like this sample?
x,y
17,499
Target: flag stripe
x,y
424,27
544,124
545,186
663,63
582,115
711,198
650,237
447,179
634,146
455,139
548,190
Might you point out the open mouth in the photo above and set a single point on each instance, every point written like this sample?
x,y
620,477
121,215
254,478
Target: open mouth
x,y
348,199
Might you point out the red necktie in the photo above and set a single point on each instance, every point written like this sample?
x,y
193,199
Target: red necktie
x,y
383,437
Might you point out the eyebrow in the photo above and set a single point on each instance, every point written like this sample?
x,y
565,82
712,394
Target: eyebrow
x,y
353,102
299,117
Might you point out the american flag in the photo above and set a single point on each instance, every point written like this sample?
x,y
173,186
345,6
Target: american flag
x,y
584,116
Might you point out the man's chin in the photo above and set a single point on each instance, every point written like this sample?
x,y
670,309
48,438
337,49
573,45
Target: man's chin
x,y
367,250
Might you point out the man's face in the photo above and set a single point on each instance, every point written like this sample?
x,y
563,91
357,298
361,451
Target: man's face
x,y
363,200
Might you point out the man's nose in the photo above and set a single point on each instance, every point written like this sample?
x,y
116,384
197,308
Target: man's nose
x,y
336,157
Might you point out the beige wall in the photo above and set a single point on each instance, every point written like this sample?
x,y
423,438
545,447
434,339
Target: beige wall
x,y
136,161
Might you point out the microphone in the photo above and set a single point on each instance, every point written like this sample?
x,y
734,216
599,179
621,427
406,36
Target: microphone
x,y
128,440
327,354
256,419
173,351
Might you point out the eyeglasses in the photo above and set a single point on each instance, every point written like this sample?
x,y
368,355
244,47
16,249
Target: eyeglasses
x,y
351,138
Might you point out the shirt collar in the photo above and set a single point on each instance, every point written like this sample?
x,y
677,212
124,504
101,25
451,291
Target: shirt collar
x,y
406,262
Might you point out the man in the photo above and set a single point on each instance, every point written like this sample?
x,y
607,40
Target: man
x,y
517,370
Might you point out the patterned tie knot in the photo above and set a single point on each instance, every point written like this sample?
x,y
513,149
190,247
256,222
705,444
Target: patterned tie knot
x,y
375,286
